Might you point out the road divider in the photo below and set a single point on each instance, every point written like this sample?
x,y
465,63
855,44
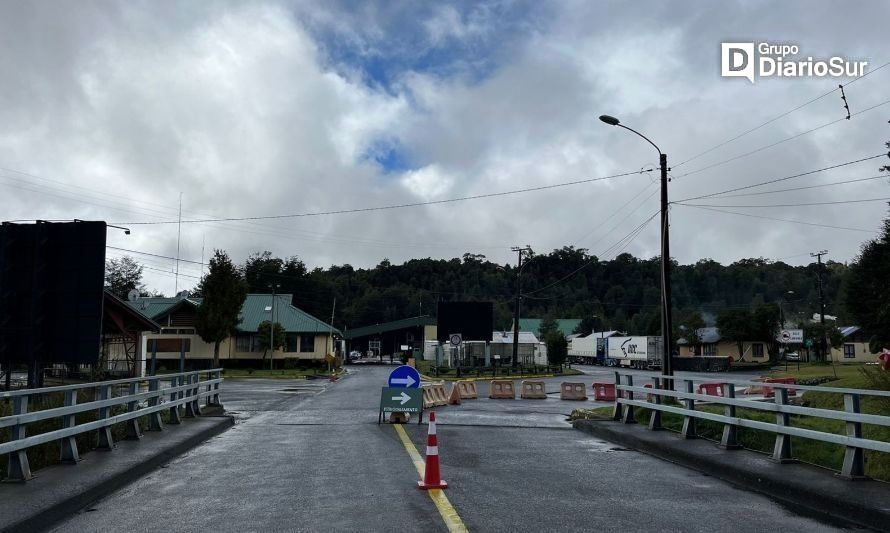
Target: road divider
x,y
502,389
571,390
454,395
467,390
434,395
533,389
604,392
711,389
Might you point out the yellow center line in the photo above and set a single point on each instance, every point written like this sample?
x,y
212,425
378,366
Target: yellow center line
x,y
446,510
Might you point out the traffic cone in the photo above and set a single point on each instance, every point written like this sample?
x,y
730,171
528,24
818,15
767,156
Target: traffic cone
x,y
431,479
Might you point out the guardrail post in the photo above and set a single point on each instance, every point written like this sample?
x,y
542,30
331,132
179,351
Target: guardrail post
x,y
629,409
106,441
216,388
154,419
854,461
133,431
782,449
174,409
18,468
209,400
190,404
196,394
688,431
730,431
616,413
655,419
68,453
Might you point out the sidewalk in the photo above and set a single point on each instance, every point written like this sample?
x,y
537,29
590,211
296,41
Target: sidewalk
x,y
61,490
799,486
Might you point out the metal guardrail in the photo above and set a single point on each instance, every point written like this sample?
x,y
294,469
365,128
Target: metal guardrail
x,y
179,390
854,461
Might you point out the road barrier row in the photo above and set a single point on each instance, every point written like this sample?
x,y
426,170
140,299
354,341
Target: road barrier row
x,y
569,390
183,390
467,390
434,395
533,390
501,389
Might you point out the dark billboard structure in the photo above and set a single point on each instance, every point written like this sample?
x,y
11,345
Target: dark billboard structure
x,y
51,280
473,320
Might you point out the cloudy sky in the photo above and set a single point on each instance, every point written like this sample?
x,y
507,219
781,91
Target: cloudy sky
x,y
112,110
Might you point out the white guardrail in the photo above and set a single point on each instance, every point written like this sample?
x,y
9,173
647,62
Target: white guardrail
x,y
853,465
168,391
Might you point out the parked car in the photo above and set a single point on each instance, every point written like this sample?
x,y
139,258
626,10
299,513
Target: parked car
x,y
793,356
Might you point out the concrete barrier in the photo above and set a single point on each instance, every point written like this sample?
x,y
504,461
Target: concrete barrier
x,y
533,390
502,389
434,395
570,390
711,389
604,392
769,392
467,390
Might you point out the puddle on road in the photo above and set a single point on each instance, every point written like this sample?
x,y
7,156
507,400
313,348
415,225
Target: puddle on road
x,y
593,445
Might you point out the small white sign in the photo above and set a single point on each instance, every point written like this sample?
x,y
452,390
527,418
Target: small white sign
x,y
455,339
790,336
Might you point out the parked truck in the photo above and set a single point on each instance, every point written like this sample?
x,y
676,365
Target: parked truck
x,y
587,350
634,352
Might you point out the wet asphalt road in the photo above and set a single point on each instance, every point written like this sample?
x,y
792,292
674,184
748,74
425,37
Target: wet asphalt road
x,y
309,456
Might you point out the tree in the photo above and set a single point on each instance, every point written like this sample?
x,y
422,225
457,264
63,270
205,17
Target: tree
x,y
689,328
867,293
548,325
735,326
123,275
765,327
816,331
557,348
224,292
265,333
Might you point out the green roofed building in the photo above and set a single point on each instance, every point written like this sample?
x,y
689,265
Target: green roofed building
x,y
566,326
306,338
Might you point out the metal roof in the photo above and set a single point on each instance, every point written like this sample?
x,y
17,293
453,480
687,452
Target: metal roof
x,y
565,325
506,337
423,320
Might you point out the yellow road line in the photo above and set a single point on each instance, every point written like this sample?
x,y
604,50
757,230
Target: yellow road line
x,y
449,515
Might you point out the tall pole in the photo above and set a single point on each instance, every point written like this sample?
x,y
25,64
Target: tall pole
x,y
822,344
516,307
272,331
178,238
667,366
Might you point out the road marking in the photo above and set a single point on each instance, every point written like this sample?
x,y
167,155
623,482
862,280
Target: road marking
x,y
449,515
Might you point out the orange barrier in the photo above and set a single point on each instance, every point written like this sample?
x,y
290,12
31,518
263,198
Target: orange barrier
x,y
711,389
768,392
569,390
434,395
428,399
454,396
501,389
440,394
604,392
533,390
467,390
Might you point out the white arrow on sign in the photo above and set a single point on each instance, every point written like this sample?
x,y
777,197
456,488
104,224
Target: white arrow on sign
x,y
403,397
406,381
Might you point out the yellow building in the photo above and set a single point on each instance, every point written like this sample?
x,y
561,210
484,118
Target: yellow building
x,y
712,345
855,347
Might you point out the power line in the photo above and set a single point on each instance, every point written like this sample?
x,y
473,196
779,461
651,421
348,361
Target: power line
x,y
786,139
779,219
802,204
831,184
602,223
152,255
387,207
777,117
777,180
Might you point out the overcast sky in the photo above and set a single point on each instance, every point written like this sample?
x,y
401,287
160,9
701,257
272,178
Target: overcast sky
x,y
111,110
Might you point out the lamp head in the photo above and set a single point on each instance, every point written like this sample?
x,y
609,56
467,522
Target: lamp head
x,y
612,121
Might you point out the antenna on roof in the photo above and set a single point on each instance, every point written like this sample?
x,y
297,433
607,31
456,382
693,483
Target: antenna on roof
x,y
182,295
133,295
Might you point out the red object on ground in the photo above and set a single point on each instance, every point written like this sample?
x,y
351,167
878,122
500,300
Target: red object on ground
x,y
768,392
333,377
711,389
884,358
604,392
431,478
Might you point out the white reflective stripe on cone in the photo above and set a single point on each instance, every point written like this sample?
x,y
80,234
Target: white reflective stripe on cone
x,y
432,450
432,429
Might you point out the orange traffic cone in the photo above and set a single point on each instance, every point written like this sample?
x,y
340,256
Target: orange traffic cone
x,y
431,479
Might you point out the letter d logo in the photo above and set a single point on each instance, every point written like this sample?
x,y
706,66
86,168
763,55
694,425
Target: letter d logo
x,y
737,60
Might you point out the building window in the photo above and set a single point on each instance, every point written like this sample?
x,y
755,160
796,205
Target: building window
x,y
757,349
849,351
291,341
242,343
709,349
307,343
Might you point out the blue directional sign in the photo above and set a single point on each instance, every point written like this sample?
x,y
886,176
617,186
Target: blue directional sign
x,y
404,376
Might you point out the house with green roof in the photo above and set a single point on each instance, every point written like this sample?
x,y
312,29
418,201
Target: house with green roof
x,y
306,338
566,326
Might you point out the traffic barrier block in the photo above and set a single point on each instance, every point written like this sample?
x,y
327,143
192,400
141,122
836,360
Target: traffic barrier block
x,y
454,396
441,395
604,392
533,390
711,389
649,397
769,392
430,398
569,390
467,390
502,389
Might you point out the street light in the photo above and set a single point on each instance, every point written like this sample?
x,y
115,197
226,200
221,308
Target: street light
x,y
666,363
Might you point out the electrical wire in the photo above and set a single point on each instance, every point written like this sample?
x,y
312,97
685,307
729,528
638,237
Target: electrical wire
x,y
831,184
780,219
802,204
777,180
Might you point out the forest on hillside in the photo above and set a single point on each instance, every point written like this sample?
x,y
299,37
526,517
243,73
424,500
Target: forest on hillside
x,y
623,293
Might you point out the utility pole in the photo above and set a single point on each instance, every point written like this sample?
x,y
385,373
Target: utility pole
x,y
666,325
822,348
519,250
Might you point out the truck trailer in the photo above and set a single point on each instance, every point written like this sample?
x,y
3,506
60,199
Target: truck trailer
x,y
634,352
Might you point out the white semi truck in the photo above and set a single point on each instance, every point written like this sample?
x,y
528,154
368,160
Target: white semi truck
x,y
634,352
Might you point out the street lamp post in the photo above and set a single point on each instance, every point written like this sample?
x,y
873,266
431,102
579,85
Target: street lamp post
x,y
667,367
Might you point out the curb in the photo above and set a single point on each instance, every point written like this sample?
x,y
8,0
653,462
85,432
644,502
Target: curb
x,y
47,517
782,487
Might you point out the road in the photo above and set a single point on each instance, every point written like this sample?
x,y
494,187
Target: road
x,y
309,456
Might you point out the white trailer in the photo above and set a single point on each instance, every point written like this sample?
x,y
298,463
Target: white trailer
x,y
584,349
635,352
